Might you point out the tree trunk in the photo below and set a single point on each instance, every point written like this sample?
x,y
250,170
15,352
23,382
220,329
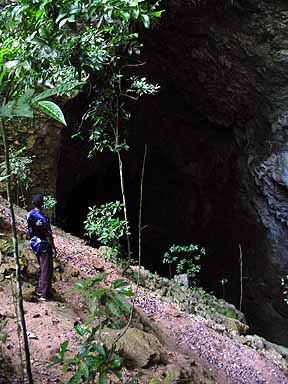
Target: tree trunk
x,y
16,254
124,209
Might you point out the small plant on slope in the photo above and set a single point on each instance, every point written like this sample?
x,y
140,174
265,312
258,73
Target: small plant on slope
x,y
49,205
189,264
96,362
169,259
104,223
3,335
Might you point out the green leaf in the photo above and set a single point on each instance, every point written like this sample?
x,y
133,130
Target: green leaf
x,y
59,91
44,95
102,378
118,284
60,16
99,293
135,13
114,308
124,305
117,324
63,348
52,110
125,292
85,370
116,363
125,15
76,378
80,285
27,95
3,338
83,351
63,22
146,20
38,14
79,330
23,109
100,349
6,110
99,278
157,13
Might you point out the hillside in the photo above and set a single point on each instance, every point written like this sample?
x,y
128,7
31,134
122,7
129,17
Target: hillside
x,y
176,336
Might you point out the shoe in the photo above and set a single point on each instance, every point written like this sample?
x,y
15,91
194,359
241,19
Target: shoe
x,y
39,294
43,299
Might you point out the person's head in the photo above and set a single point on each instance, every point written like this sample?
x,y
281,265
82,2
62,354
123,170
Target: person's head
x,y
37,200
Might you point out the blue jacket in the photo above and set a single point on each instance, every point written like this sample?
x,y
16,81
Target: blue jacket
x,y
39,229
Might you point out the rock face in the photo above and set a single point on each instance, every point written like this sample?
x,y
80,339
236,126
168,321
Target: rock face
x,y
217,165
221,123
41,139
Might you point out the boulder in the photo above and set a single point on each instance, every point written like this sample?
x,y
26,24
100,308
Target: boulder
x,y
138,348
235,326
182,280
255,342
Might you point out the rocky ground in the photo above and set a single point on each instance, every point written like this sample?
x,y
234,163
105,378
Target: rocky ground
x,y
176,335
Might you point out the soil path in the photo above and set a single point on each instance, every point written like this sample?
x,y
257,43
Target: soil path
x,y
219,358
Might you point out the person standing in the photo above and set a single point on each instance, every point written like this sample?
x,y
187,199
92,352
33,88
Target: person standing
x,y
42,244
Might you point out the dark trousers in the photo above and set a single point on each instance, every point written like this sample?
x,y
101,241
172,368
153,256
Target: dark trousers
x,y
45,260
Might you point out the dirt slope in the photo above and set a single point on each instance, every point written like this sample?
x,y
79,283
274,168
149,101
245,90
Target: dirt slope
x,y
188,344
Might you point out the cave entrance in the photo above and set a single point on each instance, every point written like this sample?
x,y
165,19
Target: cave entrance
x,y
92,190
191,192
199,183
189,187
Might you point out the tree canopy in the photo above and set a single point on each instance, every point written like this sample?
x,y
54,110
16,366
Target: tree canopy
x,y
44,44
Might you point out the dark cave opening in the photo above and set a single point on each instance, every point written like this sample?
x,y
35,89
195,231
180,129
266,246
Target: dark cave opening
x,y
191,194
93,190
213,132
197,179
189,185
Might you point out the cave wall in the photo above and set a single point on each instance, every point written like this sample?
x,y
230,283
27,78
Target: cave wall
x,y
216,171
41,139
229,65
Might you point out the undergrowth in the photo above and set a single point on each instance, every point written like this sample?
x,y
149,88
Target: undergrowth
x,y
108,308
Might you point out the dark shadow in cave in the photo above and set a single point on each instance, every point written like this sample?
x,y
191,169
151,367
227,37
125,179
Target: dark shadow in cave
x,y
188,187
93,190
193,191
190,191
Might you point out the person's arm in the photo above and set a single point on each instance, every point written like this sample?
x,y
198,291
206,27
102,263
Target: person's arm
x,y
50,238
29,228
52,244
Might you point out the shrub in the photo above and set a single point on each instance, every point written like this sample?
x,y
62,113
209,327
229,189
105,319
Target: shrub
x,y
104,223
189,264
95,360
